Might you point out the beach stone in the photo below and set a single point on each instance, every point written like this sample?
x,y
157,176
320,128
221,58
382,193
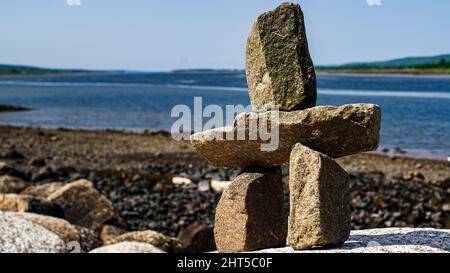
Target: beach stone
x,y
18,235
37,162
24,203
181,181
197,238
250,214
159,240
13,154
83,205
385,240
128,247
334,131
88,239
219,186
11,184
279,68
109,232
58,226
6,169
43,191
319,200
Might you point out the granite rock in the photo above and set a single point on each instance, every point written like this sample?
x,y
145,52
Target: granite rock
x,y
334,131
279,68
83,205
18,235
128,247
385,240
159,240
11,184
24,203
250,214
319,200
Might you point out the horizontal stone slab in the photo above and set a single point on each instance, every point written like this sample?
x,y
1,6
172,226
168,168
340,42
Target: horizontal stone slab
x,y
385,240
334,131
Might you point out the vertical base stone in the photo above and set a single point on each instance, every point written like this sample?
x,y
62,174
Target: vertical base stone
x,y
319,198
250,214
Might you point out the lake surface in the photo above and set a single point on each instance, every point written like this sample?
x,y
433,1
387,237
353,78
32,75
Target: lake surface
x,y
416,110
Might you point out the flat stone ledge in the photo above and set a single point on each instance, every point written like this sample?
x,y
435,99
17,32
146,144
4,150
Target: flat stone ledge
x,y
385,240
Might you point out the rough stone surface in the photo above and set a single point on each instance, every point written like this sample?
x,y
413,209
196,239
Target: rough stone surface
x,y
83,205
334,131
89,239
250,214
43,191
128,247
59,226
109,232
197,238
385,240
319,200
11,184
280,71
25,203
151,237
18,235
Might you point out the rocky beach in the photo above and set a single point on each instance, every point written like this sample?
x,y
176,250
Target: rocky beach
x,y
311,164
140,174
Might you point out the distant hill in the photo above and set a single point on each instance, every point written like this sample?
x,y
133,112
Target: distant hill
x,y
429,64
207,71
12,70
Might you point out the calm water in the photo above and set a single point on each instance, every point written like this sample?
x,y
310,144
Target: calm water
x,y
416,110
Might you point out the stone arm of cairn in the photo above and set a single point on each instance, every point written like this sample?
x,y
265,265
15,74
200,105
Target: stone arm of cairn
x,y
334,131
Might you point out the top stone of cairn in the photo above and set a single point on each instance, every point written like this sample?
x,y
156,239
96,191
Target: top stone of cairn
x,y
280,72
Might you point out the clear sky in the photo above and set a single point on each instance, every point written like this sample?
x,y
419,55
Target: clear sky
x,y
156,35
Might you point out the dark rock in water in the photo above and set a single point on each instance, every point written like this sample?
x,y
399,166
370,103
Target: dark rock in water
x,y
250,214
12,108
197,238
280,71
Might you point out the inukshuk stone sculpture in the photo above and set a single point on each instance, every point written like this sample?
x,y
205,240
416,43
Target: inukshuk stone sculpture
x,y
280,73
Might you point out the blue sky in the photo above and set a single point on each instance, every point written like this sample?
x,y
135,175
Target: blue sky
x,y
156,35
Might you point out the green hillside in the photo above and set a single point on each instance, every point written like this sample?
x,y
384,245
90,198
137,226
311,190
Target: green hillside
x,y
416,65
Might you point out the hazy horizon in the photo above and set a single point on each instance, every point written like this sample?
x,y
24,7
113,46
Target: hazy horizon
x,y
162,36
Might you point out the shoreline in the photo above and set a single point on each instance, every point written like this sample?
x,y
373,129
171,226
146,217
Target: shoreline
x,y
135,171
318,72
103,149
391,151
383,74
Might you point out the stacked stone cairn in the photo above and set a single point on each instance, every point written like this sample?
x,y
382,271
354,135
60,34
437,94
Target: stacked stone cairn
x,y
280,73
